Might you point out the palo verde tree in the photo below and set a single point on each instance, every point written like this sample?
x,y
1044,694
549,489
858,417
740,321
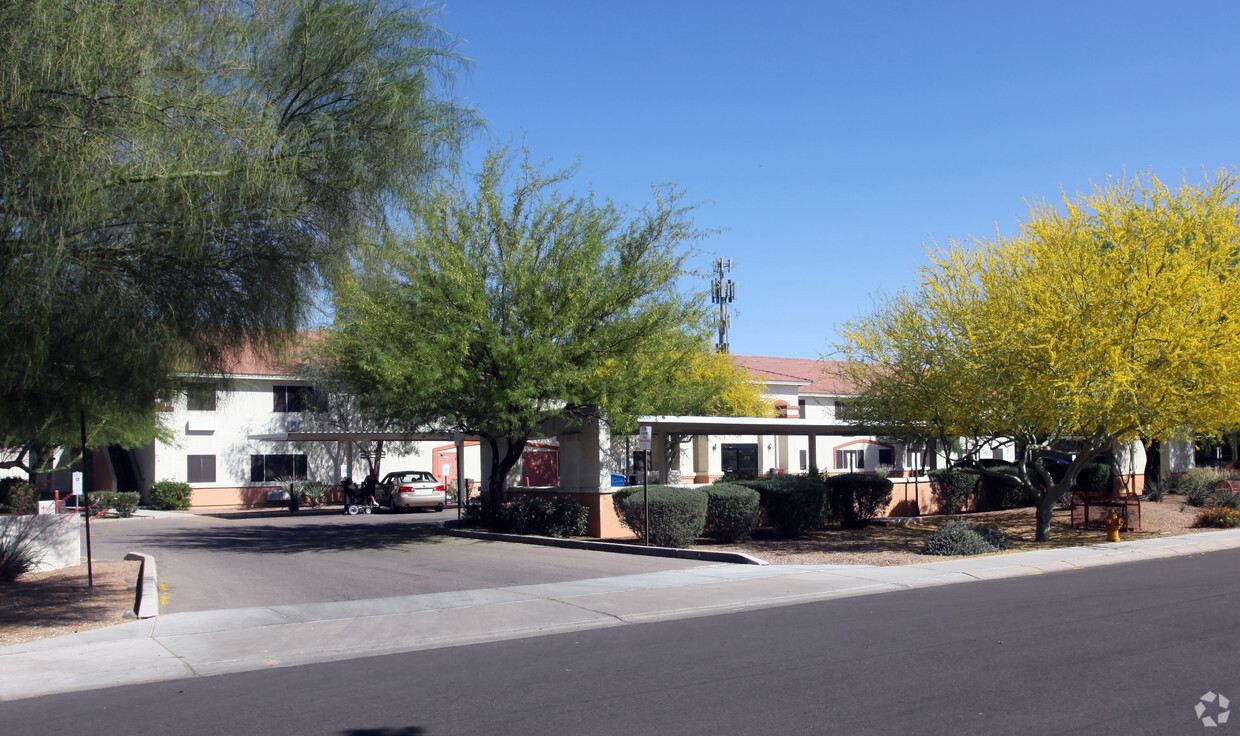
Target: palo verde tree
x,y
178,178
1103,320
513,304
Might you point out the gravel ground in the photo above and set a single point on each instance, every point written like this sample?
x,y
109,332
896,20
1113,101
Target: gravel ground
x,y
881,546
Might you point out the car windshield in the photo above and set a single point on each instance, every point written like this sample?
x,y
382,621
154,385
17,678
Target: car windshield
x,y
415,476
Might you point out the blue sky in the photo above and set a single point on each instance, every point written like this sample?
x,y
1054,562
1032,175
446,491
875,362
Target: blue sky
x,y
832,142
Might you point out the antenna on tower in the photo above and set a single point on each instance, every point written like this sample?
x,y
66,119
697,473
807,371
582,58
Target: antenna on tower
x,y
722,293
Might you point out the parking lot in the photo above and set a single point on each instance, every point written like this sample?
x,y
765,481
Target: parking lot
x,y
243,560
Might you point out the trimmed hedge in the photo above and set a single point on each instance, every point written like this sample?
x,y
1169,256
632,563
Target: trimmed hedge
x,y
732,511
170,495
677,515
1007,492
952,488
122,504
795,505
856,498
1094,478
561,517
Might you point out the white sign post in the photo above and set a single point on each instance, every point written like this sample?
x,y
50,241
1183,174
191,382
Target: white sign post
x,y
644,434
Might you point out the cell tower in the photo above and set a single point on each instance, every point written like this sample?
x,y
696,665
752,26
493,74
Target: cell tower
x,y
722,293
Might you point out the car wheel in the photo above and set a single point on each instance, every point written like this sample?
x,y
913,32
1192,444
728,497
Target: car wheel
x,y
439,507
394,508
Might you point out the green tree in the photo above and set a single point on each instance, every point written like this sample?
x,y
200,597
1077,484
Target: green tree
x,y
177,179
513,305
1100,322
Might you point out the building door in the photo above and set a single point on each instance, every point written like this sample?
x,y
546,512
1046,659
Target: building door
x,y
739,459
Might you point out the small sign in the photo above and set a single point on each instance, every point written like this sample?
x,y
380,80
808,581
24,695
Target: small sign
x,y
77,483
446,468
643,437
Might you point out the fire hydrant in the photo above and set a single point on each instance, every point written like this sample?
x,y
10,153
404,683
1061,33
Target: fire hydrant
x,y
1114,522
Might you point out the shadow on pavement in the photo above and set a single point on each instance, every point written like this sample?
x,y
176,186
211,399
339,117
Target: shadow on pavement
x,y
301,538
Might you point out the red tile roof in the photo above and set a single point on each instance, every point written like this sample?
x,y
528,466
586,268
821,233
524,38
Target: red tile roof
x,y
814,372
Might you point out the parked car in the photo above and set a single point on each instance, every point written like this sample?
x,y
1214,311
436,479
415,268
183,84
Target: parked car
x,y
411,489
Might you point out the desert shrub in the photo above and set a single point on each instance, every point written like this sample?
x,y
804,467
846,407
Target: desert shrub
x,y
732,512
952,488
1094,478
956,537
1226,498
19,549
18,497
795,505
677,515
170,495
122,504
313,492
1007,492
1197,482
1219,516
1197,495
994,536
855,498
1155,491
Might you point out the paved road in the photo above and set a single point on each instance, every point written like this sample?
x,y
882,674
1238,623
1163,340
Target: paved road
x,y
1123,649
246,560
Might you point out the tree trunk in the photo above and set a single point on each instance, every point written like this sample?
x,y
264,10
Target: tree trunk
x,y
497,483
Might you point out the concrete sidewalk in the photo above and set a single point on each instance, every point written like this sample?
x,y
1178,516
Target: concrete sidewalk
x,y
218,642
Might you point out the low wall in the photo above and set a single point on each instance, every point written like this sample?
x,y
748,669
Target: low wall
x,y
58,537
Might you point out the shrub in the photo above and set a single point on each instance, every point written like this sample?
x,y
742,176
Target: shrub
x,y
122,504
568,518
18,497
313,492
1197,483
1197,495
1226,498
1155,492
1095,478
19,551
795,505
994,536
952,488
170,495
732,512
1219,516
677,515
956,537
1007,492
856,498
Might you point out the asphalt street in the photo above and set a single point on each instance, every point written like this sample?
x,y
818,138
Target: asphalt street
x,y
1121,649
244,560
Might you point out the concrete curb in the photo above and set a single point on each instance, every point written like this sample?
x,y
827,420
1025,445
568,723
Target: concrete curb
x,y
702,555
146,601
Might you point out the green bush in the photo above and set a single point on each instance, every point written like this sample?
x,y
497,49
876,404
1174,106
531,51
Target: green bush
x,y
561,517
122,504
1219,516
1198,483
18,497
1197,495
170,495
19,549
956,537
795,505
994,536
568,518
1096,478
732,512
952,488
677,515
1226,498
1155,491
1007,492
855,498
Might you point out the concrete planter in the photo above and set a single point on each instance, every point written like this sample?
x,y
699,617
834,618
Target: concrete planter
x,y
57,536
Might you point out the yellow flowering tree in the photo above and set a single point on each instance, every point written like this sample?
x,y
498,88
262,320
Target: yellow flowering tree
x,y
1100,321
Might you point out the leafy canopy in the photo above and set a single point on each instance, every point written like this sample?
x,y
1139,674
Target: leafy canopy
x,y
1101,321
177,178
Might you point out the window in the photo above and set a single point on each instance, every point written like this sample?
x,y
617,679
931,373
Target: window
x,y
781,409
200,468
804,459
801,407
886,456
200,398
268,468
289,398
849,459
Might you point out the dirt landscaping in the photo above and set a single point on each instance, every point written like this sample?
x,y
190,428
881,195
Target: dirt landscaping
x,y
53,603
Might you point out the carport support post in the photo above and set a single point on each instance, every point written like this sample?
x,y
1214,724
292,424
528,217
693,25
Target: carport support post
x,y
646,495
460,477
86,479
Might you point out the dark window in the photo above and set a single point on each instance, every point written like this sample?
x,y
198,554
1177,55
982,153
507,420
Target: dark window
x,y
886,456
850,459
801,407
200,398
268,468
739,459
200,468
289,398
